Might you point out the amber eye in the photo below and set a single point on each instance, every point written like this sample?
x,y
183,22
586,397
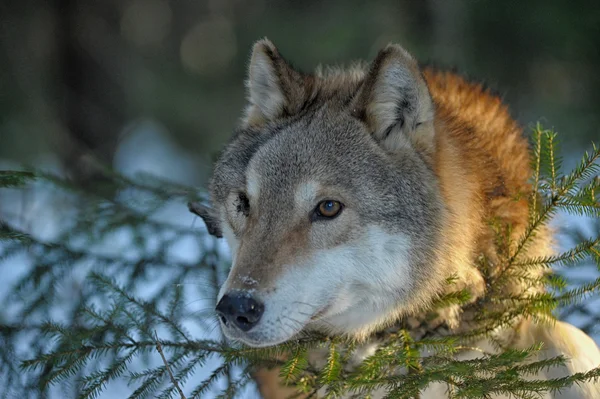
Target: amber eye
x,y
328,209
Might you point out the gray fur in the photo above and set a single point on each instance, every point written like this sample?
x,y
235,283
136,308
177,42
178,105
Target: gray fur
x,y
334,138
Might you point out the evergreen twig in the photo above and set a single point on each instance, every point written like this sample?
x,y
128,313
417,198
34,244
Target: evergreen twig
x,y
164,359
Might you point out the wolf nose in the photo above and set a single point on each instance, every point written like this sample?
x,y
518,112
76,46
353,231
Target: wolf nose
x,y
240,309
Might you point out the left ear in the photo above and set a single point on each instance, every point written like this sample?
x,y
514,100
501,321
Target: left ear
x,y
394,101
210,219
275,88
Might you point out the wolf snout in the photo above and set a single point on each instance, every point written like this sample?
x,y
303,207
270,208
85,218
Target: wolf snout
x,y
240,309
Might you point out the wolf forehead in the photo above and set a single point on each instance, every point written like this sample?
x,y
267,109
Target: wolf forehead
x,y
336,153
319,146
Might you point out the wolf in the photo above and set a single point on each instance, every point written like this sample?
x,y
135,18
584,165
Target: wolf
x,y
349,197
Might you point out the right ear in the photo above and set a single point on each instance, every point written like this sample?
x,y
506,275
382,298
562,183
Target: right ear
x,y
394,101
274,87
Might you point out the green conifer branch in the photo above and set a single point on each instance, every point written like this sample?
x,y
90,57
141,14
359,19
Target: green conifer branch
x,y
96,345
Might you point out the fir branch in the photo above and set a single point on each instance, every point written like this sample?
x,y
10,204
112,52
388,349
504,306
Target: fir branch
x,y
585,170
219,372
536,166
104,282
295,366
552,162
15,178
570,257
173,380
120,209
96,382
579,293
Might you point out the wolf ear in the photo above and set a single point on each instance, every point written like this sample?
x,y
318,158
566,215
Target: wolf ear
x,y
394,101
210,219
274,87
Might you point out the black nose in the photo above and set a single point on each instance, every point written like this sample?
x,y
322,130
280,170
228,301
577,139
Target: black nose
x,y
240,309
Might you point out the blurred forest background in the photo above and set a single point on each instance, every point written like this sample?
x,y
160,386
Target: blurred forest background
x,y
82,77
157,86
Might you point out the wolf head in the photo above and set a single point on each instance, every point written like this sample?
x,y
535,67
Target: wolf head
x,y
327,197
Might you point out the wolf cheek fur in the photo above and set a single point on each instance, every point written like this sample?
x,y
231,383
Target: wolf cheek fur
x,y
419,160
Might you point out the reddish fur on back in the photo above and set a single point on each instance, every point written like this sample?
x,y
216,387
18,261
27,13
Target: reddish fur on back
x,y
477,136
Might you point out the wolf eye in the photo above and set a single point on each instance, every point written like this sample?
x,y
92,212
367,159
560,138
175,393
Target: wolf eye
x,y
328,209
